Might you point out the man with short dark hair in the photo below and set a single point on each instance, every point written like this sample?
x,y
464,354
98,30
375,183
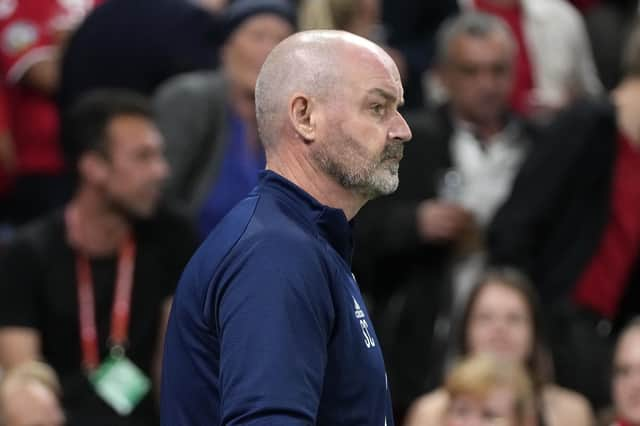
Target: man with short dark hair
x,y
88,288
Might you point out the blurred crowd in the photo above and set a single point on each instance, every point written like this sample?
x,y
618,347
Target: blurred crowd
x,y
503,276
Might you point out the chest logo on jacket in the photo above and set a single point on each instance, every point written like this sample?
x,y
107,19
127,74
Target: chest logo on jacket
x,y
368,339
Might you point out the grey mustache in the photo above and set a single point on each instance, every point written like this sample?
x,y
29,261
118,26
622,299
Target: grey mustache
x,y
393,152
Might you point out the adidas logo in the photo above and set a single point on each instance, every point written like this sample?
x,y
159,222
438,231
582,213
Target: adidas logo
x,y
358,310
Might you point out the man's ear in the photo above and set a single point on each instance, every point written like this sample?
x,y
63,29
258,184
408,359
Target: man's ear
x,y
302,114
93,167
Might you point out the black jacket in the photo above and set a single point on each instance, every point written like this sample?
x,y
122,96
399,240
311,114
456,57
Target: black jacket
x,y
137,45
560,204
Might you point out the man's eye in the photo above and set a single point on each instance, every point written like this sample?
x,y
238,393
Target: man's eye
x,y
379,109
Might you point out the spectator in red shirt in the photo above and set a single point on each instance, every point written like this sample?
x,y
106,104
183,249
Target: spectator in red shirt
x,y
31,32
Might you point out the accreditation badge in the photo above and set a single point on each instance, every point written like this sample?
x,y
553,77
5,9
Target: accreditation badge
x,y
120,383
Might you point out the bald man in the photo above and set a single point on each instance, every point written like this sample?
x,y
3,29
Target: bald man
x,y
268,326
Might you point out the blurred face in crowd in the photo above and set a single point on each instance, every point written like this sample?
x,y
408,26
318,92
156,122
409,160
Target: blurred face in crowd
x,y
500,323
626,377
478,76
244,53
31,404
360,133
497,408
134,169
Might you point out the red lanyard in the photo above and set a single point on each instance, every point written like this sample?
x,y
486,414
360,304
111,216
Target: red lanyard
x,y
121,304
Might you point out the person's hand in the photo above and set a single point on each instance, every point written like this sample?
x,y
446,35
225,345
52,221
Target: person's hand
x,y
543,106
442,220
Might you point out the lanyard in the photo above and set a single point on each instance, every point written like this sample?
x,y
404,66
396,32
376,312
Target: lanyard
x,y
121,304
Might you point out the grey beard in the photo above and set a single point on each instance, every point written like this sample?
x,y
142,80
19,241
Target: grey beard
x,y
371,181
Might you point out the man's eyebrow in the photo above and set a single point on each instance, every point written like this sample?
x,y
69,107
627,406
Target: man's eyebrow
x,y
387,95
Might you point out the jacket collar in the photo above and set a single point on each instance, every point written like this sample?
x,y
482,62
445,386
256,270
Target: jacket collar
x,y
329,223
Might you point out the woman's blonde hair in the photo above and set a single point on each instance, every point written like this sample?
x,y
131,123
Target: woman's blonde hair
x,y
478,375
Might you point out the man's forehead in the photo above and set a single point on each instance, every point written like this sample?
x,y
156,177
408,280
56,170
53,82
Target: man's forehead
x,y
381,82
376,71
388,92
469,44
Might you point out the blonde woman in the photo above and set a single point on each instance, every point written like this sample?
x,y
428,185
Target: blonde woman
x,y
483,391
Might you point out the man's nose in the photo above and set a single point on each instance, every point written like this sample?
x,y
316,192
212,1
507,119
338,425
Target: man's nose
x,y
400,130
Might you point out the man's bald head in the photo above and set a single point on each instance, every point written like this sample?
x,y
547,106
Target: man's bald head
x,y
311,63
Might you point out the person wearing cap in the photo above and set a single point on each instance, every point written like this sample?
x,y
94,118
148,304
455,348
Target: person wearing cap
x,y
208,118
268,325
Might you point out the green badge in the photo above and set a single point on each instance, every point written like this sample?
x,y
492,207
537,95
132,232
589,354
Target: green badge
x,y
120,383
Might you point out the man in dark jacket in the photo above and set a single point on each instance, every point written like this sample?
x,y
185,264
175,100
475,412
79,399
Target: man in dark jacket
x,y
420,249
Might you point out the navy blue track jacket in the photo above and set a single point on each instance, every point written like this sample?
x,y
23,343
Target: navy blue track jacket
x,y
268,326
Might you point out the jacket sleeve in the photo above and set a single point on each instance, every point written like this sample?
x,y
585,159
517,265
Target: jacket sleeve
x,y
527,216
388,227
274,318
